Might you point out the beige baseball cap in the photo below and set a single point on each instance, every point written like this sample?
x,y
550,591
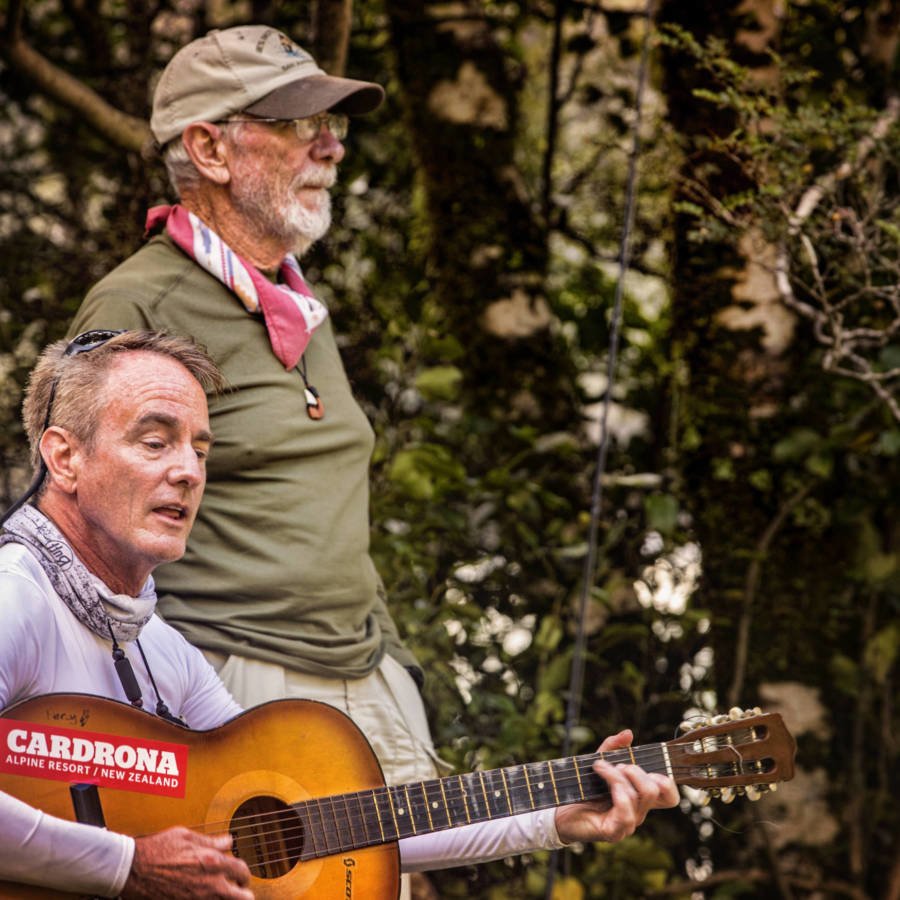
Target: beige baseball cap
x,y
253,69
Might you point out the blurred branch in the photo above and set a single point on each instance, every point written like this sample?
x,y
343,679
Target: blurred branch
x,y
565,229
779,876
844,343
825,185
751,586
745,876
553,105
857,813
893,883
609,8
128,132
14,17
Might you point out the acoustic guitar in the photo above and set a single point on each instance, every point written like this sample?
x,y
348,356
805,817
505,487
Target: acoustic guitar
x,y
299,789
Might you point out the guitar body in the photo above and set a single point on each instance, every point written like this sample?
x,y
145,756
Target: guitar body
x,y
296,785
273,755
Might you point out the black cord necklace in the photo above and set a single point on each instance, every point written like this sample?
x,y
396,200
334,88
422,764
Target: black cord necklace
x,y
130,684
315,409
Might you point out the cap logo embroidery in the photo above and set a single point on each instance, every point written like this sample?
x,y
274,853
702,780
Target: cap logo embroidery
x,y
292,49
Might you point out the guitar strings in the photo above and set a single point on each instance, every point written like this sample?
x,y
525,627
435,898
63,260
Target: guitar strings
x,y
455,786
284,847
338,807
275,840
516,779
335,812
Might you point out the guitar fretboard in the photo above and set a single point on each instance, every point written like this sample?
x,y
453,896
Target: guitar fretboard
x,y
345,822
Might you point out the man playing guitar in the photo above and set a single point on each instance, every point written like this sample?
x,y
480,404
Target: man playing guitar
x,y
119,433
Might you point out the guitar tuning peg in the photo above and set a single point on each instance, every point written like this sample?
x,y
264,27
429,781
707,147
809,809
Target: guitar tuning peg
x,y
718,720
752,792
705,798
693,724
773,787
735,713
756,711
727,795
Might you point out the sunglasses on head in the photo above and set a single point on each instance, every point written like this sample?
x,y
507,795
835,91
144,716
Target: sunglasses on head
x,y
81,343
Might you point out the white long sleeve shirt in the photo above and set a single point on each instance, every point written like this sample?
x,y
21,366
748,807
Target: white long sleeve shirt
x,y
45,649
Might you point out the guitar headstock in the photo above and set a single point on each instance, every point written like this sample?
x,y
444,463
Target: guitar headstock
x,y
746,752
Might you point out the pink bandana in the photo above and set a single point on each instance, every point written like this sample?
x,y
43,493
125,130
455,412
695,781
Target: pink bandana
x,y
290,310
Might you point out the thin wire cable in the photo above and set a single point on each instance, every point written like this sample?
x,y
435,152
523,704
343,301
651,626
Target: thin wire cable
x,y
30,491
576,683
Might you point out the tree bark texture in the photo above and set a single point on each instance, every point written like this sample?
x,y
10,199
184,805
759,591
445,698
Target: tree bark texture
x,y
486,246
331,34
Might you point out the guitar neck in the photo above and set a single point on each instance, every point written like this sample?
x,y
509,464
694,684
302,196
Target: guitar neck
x,y
346,822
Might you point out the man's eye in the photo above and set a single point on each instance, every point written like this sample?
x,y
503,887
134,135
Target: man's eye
x,y
154,444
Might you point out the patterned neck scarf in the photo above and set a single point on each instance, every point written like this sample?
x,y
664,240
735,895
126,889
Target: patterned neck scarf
x,y
89,598
290,310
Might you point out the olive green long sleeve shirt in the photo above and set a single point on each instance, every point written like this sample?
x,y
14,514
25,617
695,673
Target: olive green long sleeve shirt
x,y
277,566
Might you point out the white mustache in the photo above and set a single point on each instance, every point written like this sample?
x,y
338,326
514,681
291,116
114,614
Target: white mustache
x,y
318,177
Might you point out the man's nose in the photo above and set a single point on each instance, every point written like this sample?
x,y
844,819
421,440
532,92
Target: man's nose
x,y
187,468
327,147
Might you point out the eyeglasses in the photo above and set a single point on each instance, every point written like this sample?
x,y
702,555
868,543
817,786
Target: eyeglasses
x,y
308,128
82,343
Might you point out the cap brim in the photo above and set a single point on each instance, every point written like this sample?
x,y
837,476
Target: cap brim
x,y
317,93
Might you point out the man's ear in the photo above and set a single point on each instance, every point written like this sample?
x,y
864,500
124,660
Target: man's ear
x,y
207,151
61,453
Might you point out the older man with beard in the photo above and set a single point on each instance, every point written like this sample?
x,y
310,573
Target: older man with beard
x,y
277,586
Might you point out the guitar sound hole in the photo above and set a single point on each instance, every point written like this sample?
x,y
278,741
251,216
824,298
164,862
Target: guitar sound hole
x,y
268,836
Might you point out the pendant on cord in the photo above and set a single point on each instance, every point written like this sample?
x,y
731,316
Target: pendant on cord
x,y
315,409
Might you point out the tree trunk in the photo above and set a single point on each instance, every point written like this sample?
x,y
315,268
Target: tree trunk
x,y
331,34
486,246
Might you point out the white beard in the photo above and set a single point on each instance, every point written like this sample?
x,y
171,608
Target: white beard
x,y
286,217
302,225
